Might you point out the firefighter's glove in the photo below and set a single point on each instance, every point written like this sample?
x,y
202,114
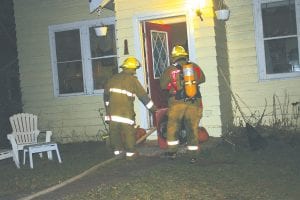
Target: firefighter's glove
x,y
177,65
107,119
153,109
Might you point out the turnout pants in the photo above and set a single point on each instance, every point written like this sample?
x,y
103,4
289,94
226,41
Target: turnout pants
x,y
190,114
122,136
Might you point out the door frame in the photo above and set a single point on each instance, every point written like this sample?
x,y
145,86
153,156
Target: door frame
x,y
138,19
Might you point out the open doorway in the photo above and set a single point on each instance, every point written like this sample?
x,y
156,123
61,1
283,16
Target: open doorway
x,y
160,35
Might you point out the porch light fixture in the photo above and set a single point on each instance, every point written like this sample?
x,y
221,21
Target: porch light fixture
x,y
199,14
101,30
199,5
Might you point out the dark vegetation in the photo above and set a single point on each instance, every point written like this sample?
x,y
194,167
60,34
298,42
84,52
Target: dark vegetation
x,y
10,93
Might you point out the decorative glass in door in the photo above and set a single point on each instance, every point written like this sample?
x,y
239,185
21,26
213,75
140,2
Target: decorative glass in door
x,y
160,52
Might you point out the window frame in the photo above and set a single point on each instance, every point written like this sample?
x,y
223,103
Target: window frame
x,y
87,71
259,36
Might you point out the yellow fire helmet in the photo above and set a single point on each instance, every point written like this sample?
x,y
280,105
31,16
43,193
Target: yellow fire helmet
x,y
179,51
131,63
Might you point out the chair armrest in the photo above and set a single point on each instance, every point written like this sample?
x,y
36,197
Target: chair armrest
x,y
12,140
48,136
36,133
10,136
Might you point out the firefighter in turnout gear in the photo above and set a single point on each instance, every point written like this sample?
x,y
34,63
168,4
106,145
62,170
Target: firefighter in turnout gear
x,y
182,80
119,94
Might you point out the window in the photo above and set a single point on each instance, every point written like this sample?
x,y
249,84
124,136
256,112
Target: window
x,y
277,38
82,62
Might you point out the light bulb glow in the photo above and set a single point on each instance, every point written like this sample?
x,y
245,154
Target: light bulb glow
x,y
194,5
201,4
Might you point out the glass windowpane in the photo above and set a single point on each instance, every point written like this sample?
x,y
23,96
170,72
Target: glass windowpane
x,y
70,77
103,55
103,45
68,45
279,18
69,64
160,52
282,55
103,69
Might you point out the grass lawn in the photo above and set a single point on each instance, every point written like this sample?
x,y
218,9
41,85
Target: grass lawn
x,y
221,172
75,159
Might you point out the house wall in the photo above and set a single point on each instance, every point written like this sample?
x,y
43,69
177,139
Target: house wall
x,y
243,69
70,118
203,33
227,45
77,117
223,74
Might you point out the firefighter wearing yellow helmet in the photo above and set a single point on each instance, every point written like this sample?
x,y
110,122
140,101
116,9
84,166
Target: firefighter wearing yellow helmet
x,y
131,63
178,51
119,94
182,80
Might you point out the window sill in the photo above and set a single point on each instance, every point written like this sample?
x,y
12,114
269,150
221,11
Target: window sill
x,y
280,76
95,93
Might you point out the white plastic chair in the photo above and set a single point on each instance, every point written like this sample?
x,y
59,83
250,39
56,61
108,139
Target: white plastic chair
x,y
7,153
25,132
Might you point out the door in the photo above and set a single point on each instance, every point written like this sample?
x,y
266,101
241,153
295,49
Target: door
x,y
157,47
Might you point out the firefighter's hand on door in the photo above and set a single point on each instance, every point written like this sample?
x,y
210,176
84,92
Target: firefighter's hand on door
x,y
153,109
